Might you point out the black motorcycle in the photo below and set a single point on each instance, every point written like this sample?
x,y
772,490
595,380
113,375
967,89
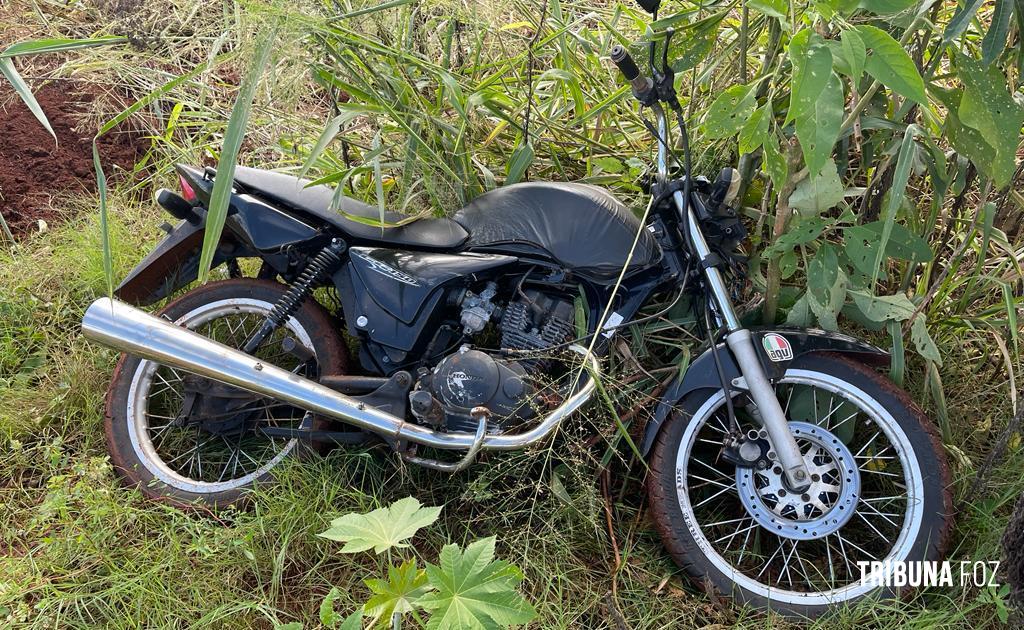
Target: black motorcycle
x,y
781,464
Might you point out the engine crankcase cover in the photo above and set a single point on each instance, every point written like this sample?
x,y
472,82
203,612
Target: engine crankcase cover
x,y
472,378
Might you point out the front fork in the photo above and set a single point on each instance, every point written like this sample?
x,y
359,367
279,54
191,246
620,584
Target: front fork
x,y
739,340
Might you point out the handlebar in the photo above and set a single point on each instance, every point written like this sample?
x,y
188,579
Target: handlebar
x,y
622,59
625,62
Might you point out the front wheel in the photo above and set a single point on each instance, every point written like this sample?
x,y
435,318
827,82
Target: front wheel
x,y
880,492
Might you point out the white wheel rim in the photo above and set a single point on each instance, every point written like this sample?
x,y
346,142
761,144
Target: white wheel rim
x,y
142,380
913,479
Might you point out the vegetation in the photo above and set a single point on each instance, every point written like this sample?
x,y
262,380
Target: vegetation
x,y
879,139
468,590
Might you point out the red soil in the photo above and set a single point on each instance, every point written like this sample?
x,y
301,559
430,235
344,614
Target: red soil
x,y
33,169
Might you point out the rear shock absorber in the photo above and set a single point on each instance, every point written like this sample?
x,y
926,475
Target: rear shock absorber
x,y
325,262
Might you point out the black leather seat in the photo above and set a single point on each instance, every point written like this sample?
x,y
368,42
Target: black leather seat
x,y
582,227
315,201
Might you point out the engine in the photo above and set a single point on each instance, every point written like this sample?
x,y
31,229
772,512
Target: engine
x,y
469,378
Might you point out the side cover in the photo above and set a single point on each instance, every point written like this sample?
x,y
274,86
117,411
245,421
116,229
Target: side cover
x,y
775,347
252,228
395,298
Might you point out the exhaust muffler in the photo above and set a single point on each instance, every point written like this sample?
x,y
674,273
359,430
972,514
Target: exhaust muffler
x,y
125,328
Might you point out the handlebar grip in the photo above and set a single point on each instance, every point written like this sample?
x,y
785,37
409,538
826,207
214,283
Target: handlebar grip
x,y
620,56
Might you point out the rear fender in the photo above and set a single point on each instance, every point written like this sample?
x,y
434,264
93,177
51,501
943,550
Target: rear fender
x,y
173,264
776,348
252,228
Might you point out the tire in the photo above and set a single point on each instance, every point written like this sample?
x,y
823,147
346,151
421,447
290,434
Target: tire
x,y
678,497
135,449
1012,544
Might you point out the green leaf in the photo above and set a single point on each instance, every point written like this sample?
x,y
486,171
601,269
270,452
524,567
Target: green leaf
x,y
812,69
967,141
382,528
691,48
863,243
855,53
939,398
882,7
897,361
988,107
894,199
815,195
800,314
923,341
775,163
291,625
861,248
883,308
101,189
474,590
995,38
378,175
800,232
330,131
399,594
905,245
729,112
773,8
788,264
826,286
829,8
52,45
220,198
608,164
522,157
755,131
328,616
8,70
960,20
819,129
890,64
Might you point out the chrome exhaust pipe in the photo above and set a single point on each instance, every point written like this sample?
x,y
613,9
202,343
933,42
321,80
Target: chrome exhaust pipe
x,y
125,328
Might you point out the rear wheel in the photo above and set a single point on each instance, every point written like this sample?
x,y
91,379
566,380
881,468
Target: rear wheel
x,y
880,491
183,438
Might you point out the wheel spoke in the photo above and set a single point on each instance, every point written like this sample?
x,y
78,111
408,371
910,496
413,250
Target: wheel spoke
x,y
770,558
855,546
732,535
715,496
869,524
222,444
882,514
717,483
712,468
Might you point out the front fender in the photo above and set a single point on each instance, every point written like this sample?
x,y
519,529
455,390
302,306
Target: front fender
x,y
776,348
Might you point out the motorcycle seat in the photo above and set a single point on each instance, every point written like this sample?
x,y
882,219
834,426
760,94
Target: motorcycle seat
x,y
582,227
316,202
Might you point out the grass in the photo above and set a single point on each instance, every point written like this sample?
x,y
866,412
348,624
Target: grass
x,y
78,551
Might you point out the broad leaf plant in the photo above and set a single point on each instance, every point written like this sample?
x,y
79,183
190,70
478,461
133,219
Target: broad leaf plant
x,y
467,588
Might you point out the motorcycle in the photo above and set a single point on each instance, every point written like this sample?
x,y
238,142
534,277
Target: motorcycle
x,y
781,463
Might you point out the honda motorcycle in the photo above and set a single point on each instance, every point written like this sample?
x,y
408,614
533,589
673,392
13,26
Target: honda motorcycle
x,y
781,463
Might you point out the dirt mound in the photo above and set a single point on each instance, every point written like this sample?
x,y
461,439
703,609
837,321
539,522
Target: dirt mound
x,y
33,169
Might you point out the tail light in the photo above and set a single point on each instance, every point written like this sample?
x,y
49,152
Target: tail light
x,y
186,190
